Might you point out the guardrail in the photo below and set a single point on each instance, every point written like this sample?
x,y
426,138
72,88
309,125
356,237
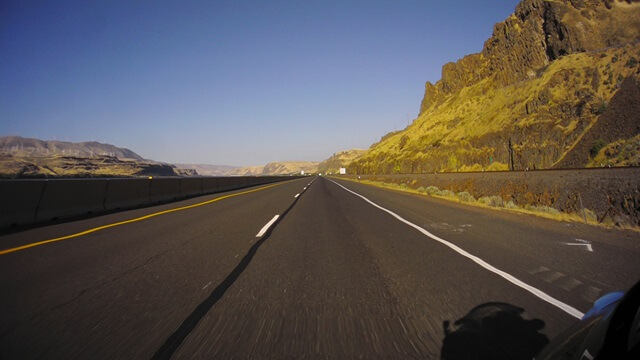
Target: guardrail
x,y
30,201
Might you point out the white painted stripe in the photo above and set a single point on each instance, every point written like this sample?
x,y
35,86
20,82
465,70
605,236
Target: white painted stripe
x,y
589,247
542,295
267,226
296,195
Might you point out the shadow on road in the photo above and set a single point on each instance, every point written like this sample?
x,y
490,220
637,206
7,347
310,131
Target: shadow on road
x,y
493,331
176,339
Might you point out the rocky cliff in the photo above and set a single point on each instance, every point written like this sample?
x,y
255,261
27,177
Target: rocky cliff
x,y
542,80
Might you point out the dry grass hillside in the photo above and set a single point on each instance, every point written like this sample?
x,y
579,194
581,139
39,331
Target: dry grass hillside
x,y
338,160
207,170
542,81
278,168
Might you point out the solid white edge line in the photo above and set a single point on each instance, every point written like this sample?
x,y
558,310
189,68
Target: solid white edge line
x,y
296,195
540,294
266,227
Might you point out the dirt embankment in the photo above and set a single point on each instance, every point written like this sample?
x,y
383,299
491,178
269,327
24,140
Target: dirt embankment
x,y
611,193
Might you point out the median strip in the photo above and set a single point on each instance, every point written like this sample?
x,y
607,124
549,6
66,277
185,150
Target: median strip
x,y
539,293
145,217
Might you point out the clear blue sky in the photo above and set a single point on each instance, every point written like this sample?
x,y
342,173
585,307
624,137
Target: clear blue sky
x,y
228,82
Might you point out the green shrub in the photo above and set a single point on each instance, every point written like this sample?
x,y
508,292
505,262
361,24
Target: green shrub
x,y
596,147
465,197
432,190
494,201
422,189
632,62
547,209
601,108
591,216
447,193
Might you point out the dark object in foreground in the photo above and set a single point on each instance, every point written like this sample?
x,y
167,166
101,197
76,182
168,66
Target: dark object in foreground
x,y
610,330
493,331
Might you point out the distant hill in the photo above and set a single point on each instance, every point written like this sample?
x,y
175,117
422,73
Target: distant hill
x,y
208,170
278,168
28,147
539,95
290,167
339,159
14,167
33,158
247,171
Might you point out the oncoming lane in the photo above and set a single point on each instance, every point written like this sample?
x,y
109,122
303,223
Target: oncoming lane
x,y
115,291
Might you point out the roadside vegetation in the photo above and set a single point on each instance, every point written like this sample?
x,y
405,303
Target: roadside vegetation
x,y
497,203
618,153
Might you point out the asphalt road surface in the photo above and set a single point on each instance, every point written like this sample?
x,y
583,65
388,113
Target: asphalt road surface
x,y
334,275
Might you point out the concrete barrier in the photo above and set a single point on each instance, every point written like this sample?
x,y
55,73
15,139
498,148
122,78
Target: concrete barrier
x,y
190,187
67,198
127,193
164,189
19,201
224,184
24,202
209,185
237,182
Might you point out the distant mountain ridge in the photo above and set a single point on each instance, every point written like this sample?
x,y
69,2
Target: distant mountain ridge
x,y
23,147
208,170
32,158
27,157
278,168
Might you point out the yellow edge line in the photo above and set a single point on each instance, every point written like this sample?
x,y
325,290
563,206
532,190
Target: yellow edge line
x,y
7,251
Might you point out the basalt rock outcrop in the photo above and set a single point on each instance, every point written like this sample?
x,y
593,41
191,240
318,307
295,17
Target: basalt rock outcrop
x,y
537,33
542,80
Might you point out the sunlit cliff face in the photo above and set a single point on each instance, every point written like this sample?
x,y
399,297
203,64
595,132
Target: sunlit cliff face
x,y
541,82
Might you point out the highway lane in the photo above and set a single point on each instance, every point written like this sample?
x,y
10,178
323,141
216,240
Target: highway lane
x,y
340,278
112,293
335,277
531,248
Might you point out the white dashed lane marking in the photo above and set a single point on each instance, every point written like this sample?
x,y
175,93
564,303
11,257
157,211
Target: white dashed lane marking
x,y
267,226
